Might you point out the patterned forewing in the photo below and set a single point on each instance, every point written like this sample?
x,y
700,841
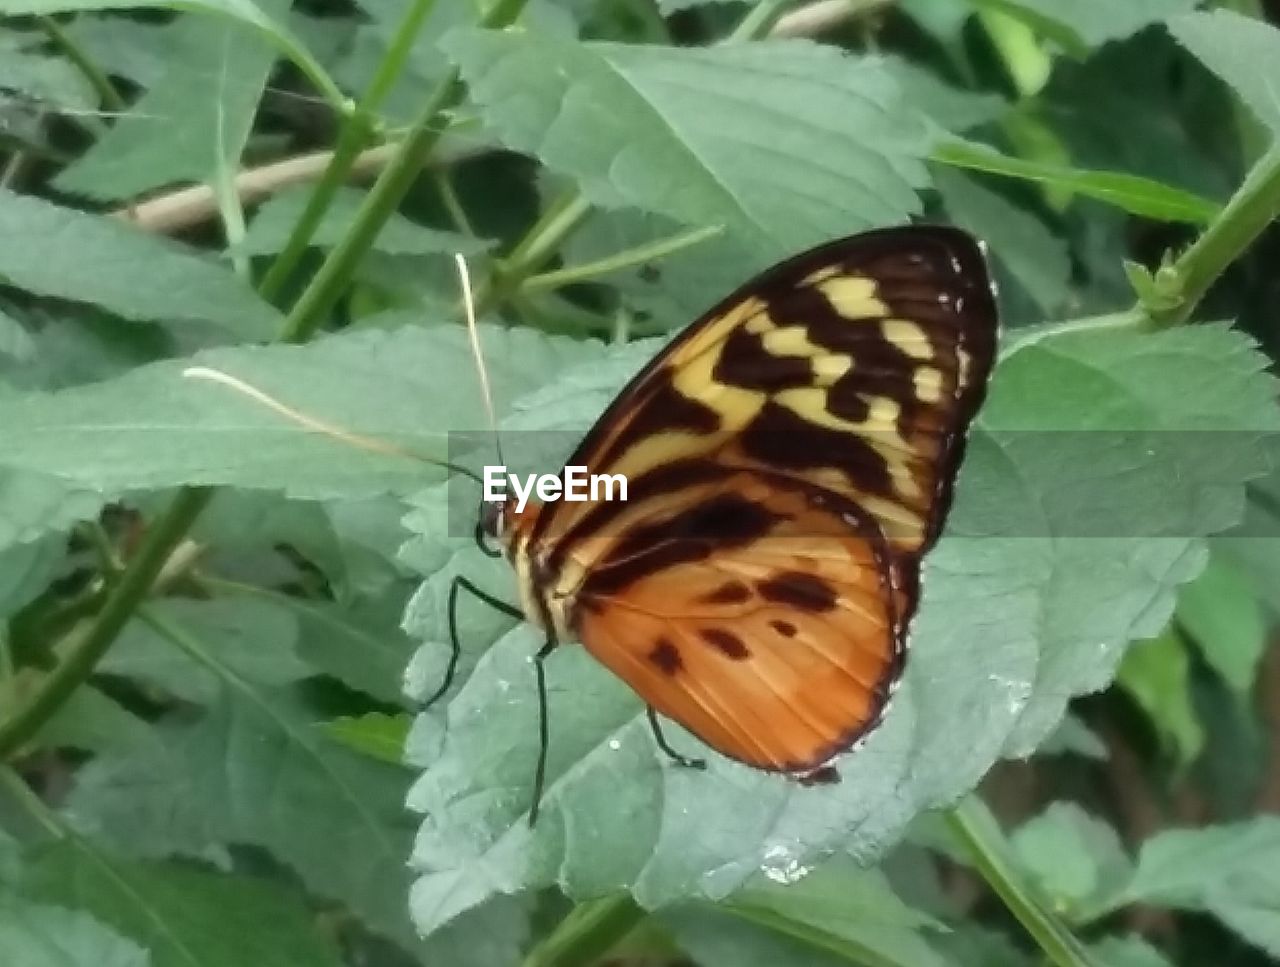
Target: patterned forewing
x,y
854,368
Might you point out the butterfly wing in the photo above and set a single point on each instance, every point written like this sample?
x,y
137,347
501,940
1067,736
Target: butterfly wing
x,y
777,641
855,367
835,389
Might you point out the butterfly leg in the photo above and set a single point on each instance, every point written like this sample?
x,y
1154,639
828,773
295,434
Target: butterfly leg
x,y
540,773
461,583
665,746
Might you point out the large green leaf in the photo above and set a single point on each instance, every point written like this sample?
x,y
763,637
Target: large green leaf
x,y
245,11
257,638
682,131
1101,459
37,935
1073,856
1243,51
192,125
1157,675
1219,611
53,251
260,769
67,452
183,917
1228,870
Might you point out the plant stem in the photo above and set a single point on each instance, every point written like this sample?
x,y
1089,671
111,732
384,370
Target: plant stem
x,y
589,931
538,245
354,136
620,260
758,22
1251,209
107,93
130,588
318,298
977,829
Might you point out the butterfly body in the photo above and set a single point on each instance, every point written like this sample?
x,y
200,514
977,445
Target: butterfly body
x,y
789,458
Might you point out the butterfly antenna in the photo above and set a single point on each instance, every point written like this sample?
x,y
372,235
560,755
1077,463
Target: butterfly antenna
x,y
357,440
473,330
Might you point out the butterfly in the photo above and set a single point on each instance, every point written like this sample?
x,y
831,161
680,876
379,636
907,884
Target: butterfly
x,y
789,459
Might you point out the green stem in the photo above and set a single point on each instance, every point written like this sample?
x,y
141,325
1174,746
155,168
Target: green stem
x,y
760,20
978,830
107,93
1251,209
452,203
538,245
130,588
355,135
318,298
590,931
621,260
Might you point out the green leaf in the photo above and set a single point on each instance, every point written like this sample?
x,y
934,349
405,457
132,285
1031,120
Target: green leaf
x,y
1227,870
838,899
1129,952
27,569
1220,613
1157,675
245,773
1130,193
1182,867
49,81
183,917
1020,243
375,734
36,935
274,222
1244,52
630,125
953,108
53,251
972,945
256,638
361,644
1072,855
192,125
1088,487
152,428
244,11
1091,23
1073,735
15,341
94,722
711,937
